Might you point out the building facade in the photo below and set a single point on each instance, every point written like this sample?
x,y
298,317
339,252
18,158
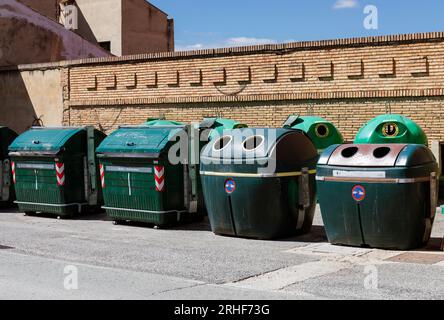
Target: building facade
x,y
29,37
122,27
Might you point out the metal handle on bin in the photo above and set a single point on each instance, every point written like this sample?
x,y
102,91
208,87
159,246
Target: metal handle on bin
x,y
433,194
304,195
433,205
5,179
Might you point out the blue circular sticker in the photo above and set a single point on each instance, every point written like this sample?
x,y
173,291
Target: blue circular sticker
x,y
230,186
358,193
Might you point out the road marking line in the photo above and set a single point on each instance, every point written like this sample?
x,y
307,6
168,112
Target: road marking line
x,y
439,264
279,279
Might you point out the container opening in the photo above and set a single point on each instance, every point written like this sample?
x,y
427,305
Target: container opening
x,y
390,130
349,152
253,143
322,130
381,152
222,143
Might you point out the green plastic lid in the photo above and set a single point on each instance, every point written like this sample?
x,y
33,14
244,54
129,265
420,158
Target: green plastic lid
x,y
142,140
44,139
391,128
321,132
161,123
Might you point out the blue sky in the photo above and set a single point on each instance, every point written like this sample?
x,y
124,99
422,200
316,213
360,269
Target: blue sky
x,y
209,23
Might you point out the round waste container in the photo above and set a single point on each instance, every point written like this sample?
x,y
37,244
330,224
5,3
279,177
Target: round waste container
x,y
7,194
55,170
378,195
140,180
391,128
322,133
259,183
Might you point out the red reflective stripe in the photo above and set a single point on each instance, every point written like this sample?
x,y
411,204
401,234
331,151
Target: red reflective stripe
x,y
60,173
102,175
13,171
159,177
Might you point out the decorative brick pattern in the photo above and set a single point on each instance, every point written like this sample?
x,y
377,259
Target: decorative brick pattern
x,y
129,80
91,83
297,72
355,69
194,77
387,67
242,75
419,66
110,82
325,70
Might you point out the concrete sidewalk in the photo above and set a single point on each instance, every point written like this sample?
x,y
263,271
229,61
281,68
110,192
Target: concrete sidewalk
x,y
40,256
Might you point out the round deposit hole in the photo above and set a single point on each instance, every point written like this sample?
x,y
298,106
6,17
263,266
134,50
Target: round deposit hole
x,y
349,152
222,143
381,152
322,130
253,143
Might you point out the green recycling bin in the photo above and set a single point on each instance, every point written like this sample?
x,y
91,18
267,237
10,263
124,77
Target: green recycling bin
x,y
7,194
322,133
378,195
391,128
259,183
140,181
55,170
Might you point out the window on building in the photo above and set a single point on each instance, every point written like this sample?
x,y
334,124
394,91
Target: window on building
x,y
106,45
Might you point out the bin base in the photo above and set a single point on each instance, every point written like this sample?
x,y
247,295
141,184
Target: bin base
x,y
62,210
157,218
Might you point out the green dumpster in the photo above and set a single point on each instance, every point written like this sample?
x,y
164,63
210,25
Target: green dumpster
x,y
391,128
259,183
323,133
7,194
140,182
378,195
55,170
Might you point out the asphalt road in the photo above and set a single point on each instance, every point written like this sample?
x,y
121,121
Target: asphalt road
x,y
90,258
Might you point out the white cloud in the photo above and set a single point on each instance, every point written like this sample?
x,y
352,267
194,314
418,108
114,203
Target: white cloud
x,y
230,42
345,4
244,41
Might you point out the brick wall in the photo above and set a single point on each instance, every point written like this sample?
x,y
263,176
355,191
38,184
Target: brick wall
x,y
348,115
348,81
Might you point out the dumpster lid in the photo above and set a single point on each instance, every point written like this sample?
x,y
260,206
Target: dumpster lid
x,y
151,140
42,139
378,155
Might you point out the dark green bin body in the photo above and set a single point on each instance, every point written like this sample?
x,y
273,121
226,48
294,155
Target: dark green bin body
x,y
398,209
35,154
7,193
265,204
128,158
